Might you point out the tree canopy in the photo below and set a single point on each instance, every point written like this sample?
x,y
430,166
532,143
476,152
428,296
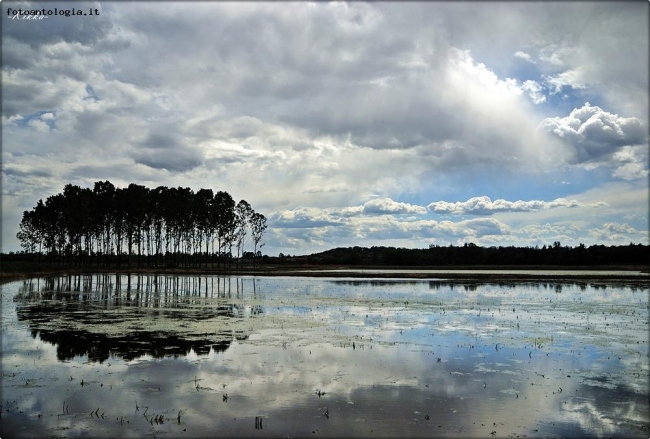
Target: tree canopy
x,y
172,226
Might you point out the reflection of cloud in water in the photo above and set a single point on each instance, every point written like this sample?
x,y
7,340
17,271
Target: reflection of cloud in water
x,y
589,418
386,355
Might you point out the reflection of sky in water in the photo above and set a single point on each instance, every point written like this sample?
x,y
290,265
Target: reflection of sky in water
x,y
442,273
390,358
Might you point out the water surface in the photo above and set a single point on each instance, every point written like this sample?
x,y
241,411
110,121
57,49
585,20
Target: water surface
x,y
538,273
181,356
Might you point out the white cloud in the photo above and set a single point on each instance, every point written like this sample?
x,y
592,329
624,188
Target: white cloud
x,y
631,162
303,217
593,135
631,171
558,54
388,206
524,56
39,125
613,232
574,78
534,91
483,77
347,226
485,206
326,228
319,217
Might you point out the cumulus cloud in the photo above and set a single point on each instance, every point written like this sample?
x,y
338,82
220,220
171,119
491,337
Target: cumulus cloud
x,y
631,171
534,91
593,134
631,162
306,217
326,228
39,125
388,206
485,206
524,56
616,232
439,231
303,217
346,226
484,227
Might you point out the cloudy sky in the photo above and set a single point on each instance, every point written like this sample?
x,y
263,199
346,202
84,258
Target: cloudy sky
x,y
398,124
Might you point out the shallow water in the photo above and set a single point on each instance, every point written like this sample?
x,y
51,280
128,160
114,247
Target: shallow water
x,y
540,273
180,356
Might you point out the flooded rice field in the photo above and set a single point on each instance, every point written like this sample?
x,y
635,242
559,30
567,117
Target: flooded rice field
x,y
188,356
465,272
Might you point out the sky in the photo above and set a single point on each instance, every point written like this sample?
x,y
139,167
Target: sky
x,y
371,124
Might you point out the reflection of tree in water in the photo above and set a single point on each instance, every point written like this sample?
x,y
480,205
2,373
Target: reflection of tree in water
x,y
374,282
99,347
49,306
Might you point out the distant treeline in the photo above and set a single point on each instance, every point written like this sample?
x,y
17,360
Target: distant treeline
x,y
471,254
111,226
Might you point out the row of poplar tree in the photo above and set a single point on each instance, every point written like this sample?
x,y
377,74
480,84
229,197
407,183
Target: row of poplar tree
x,y
172,226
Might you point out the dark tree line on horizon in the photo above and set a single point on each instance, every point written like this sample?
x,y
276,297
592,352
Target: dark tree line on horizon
x,y
107,225
470,254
